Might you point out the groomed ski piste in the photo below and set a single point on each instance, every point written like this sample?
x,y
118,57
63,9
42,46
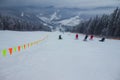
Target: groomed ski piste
x,y
53,59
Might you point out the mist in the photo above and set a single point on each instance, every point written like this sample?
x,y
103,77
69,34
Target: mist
x,y
62,3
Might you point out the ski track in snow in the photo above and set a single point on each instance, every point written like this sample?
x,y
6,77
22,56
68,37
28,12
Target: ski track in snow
x,y
54,59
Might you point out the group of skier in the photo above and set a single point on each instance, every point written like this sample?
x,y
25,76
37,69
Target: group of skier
x,y
85,38
91,38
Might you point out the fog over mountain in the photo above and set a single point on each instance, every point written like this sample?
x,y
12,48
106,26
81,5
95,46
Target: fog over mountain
x,y
62,3
55,13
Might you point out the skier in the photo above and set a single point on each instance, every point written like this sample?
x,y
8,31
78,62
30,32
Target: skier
x,y
60,37
85,39
91,37
76,36
102,40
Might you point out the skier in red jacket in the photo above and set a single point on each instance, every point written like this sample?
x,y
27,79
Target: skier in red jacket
x,y
91,37
76,36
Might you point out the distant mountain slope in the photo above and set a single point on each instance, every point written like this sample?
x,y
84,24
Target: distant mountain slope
x,y
51,16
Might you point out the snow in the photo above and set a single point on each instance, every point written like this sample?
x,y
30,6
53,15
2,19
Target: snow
x,y
54,16
54,59
71,22
45,19
22,14
45,24
48,19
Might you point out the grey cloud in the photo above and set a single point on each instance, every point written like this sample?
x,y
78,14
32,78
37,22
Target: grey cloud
x,y
62,3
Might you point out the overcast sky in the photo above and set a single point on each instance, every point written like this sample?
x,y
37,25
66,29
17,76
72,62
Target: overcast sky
x,y
63,3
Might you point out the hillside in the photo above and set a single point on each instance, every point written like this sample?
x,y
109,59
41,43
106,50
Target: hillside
x,y
54,59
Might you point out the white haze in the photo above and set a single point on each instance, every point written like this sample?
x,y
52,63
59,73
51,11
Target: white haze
x,y
64,3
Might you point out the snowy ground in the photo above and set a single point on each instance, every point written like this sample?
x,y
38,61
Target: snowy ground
x,y
54,59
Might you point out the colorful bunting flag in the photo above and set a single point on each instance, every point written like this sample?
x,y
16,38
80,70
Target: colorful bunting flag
x,y
4,52
10,51
25,46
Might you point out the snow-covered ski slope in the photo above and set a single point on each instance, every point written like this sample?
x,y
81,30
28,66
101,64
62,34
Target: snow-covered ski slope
x,y
54,59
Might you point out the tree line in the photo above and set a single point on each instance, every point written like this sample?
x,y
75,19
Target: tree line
x,y
105,25
20,24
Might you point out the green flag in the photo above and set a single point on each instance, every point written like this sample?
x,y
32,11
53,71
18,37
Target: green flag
x,y
4,52
15,49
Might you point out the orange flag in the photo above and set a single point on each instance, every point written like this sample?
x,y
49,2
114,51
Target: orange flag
x,y
24,46
18,48
28,45
10,51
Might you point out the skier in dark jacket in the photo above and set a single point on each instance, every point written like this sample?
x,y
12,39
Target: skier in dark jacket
x,y
86,36
60,37
102,40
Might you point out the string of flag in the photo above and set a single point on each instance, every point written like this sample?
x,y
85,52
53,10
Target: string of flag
x,y
19,48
